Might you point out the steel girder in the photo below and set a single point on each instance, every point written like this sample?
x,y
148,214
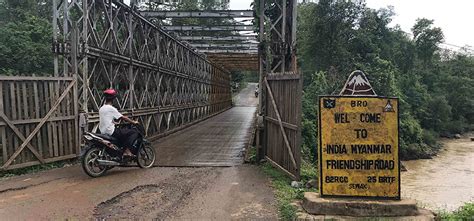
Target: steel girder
x,y
277,55
218,38
235,61
278,32
209,28
277,36
224,51
215,44
163,82
250,45
198,14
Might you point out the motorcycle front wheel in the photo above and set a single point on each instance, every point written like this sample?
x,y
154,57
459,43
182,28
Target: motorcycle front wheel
x,y
90,165
146,156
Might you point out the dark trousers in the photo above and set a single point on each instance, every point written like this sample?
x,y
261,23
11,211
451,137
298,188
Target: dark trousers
x,y
126,136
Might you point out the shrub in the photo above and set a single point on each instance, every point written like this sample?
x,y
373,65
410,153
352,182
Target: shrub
x,y
465,212
430,137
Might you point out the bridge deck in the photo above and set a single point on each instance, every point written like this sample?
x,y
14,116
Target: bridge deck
x,y
218,141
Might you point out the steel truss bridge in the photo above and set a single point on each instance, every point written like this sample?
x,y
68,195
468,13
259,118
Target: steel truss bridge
x,y
233,46
168,82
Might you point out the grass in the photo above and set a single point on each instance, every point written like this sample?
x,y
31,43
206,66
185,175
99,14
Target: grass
x,y
286,194
35,169
465,212
252,155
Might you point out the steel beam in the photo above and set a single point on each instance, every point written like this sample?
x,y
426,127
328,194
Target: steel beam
x,y
249,45
235,61
232,57
251,51
210,28
227,55
280,33
217,38
199,14
238,66
228,49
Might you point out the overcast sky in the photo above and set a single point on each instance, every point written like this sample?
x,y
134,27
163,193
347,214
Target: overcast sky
x,y
454,17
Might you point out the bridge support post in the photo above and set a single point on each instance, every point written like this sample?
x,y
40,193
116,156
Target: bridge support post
x,y
261,71
280,96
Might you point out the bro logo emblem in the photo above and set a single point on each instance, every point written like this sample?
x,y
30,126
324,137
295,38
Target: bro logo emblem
x,y
329,103
388,107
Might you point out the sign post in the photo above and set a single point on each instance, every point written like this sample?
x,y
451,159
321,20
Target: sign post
x,y
359,142
359,167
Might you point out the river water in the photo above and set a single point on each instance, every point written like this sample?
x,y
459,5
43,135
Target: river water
x,y
444,182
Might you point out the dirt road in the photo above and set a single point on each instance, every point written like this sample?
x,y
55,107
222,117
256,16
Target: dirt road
x,y
219,193
246,98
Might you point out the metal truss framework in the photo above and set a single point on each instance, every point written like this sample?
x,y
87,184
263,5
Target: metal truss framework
x,y
228,51
217,47
249,45
281,86
104,43
278,35
199,14
210,28
235,61
217,38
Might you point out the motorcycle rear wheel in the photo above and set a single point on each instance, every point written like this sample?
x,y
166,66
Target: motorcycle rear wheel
x,y
146,157
90,165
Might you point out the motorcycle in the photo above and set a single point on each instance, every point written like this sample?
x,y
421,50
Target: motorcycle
x,y
103,152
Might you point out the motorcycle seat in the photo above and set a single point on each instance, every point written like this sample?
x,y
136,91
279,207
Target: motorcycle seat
x,y
107,137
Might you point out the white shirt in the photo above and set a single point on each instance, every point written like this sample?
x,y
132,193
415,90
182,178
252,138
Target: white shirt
x,y
107,115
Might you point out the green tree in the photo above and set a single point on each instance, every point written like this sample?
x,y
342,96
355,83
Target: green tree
x,y
427,38
318,86
25,38
326,31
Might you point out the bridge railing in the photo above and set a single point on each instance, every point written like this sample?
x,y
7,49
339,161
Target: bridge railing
x,y
163,82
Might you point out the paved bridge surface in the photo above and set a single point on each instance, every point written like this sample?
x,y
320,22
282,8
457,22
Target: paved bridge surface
x,y
220,193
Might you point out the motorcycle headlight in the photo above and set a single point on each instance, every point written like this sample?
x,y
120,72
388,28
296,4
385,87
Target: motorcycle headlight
x,y
88,137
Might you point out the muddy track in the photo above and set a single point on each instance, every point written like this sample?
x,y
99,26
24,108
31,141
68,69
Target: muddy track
x,y
156,201
28,186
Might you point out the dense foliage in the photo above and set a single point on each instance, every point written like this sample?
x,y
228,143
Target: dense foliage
x,y
435,86
25,37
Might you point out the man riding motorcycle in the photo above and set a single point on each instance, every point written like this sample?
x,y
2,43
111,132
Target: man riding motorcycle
x,y
108,115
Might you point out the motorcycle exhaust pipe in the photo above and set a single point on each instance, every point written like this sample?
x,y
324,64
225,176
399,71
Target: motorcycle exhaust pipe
x,y
108,163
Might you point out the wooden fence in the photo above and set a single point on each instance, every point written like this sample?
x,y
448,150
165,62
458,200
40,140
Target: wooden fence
x,y
38,120
282,137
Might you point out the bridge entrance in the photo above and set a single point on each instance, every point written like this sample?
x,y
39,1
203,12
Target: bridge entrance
x,y
166,82
234,45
